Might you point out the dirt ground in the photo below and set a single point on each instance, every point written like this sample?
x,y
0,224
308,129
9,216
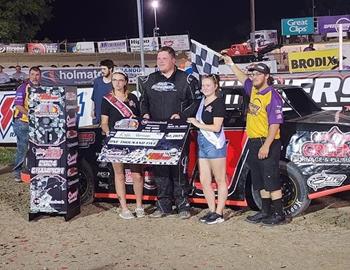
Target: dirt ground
x,y
99,239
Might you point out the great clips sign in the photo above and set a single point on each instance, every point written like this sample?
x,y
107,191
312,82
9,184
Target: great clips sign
x,y
297,26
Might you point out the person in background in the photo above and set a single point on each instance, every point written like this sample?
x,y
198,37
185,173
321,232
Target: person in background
x,y
309,48
102,85
168,94
116,105
19,75
4,77
20,122
212,147
264,118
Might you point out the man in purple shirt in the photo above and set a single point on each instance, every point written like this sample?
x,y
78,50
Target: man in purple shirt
x,y
264,118
20,119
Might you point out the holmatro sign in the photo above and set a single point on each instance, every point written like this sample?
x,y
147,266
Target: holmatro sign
x,y
313,60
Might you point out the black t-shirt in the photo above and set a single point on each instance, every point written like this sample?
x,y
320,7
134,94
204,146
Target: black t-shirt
x,y
214,109
114,115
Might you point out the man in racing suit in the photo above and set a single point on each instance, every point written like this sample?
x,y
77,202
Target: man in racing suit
x,y
169,94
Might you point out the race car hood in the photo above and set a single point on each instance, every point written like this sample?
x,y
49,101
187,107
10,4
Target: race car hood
x,y
324,117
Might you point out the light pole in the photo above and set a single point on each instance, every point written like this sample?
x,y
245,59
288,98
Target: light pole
x,y
155,5
252,24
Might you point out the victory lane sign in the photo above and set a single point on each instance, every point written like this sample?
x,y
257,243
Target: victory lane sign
x,y
143,141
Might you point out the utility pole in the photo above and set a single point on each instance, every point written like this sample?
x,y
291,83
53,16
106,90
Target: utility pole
x,y
252,24
140,25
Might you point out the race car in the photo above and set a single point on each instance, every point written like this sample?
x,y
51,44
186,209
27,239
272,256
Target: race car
x,y
314,162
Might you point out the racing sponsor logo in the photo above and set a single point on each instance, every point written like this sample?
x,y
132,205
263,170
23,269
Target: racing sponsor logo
x,y
45,170
48,97
6,112
47,110
72,171
73,144
86,139
47,163
127,123
102,164
72,159
162,155
72,134
47,153
103,174
329,147
73,196
164,87
71,121
324,179
103,185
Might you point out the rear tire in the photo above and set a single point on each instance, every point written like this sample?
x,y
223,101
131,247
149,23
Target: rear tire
x,y
295,192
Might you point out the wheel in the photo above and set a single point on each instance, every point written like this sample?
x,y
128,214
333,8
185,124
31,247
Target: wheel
x,y
295,192
86,181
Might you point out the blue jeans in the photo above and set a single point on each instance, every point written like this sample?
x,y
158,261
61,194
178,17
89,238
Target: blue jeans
x,y
21,130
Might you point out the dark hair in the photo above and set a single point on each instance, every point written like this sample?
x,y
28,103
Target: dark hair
x,y
270,80
107,63
126,78
35,68
215,79
169,50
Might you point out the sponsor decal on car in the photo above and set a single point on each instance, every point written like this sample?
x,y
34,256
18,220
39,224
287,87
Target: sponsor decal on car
x,y
325,148
71,121
86,139
325,179
72,134
103,174
47,110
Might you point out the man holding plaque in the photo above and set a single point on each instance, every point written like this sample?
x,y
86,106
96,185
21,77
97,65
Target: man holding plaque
x,y
168,94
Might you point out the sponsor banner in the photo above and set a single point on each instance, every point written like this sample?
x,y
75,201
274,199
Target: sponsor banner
x,y
12,48
225,69
112,46
322,156
6,113
313,60
330,24
177,42
42,48
329,89
149,44
297,26
141,141
81,47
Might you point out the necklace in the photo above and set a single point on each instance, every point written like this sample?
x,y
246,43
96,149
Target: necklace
x,y
123,96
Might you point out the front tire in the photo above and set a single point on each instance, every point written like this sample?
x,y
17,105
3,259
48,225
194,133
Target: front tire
x,y
294,189
86,182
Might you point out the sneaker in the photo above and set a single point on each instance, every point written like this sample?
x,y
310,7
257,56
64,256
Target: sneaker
x,y
126,215
275,219
203,219
215,218
184,214
157,214
140,212
257,218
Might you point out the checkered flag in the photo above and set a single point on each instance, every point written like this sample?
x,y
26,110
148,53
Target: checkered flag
x,y
204,60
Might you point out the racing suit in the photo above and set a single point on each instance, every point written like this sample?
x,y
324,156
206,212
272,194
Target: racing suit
x,y
162,97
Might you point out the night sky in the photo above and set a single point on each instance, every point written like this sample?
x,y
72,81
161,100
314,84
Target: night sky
x,y
218,24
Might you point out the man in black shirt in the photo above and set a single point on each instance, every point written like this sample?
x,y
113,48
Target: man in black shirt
x,y
168,94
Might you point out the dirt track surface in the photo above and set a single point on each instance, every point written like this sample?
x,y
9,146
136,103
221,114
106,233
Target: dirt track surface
x,y
99,239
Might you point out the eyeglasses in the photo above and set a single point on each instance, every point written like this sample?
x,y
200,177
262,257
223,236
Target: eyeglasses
x,y
254,74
